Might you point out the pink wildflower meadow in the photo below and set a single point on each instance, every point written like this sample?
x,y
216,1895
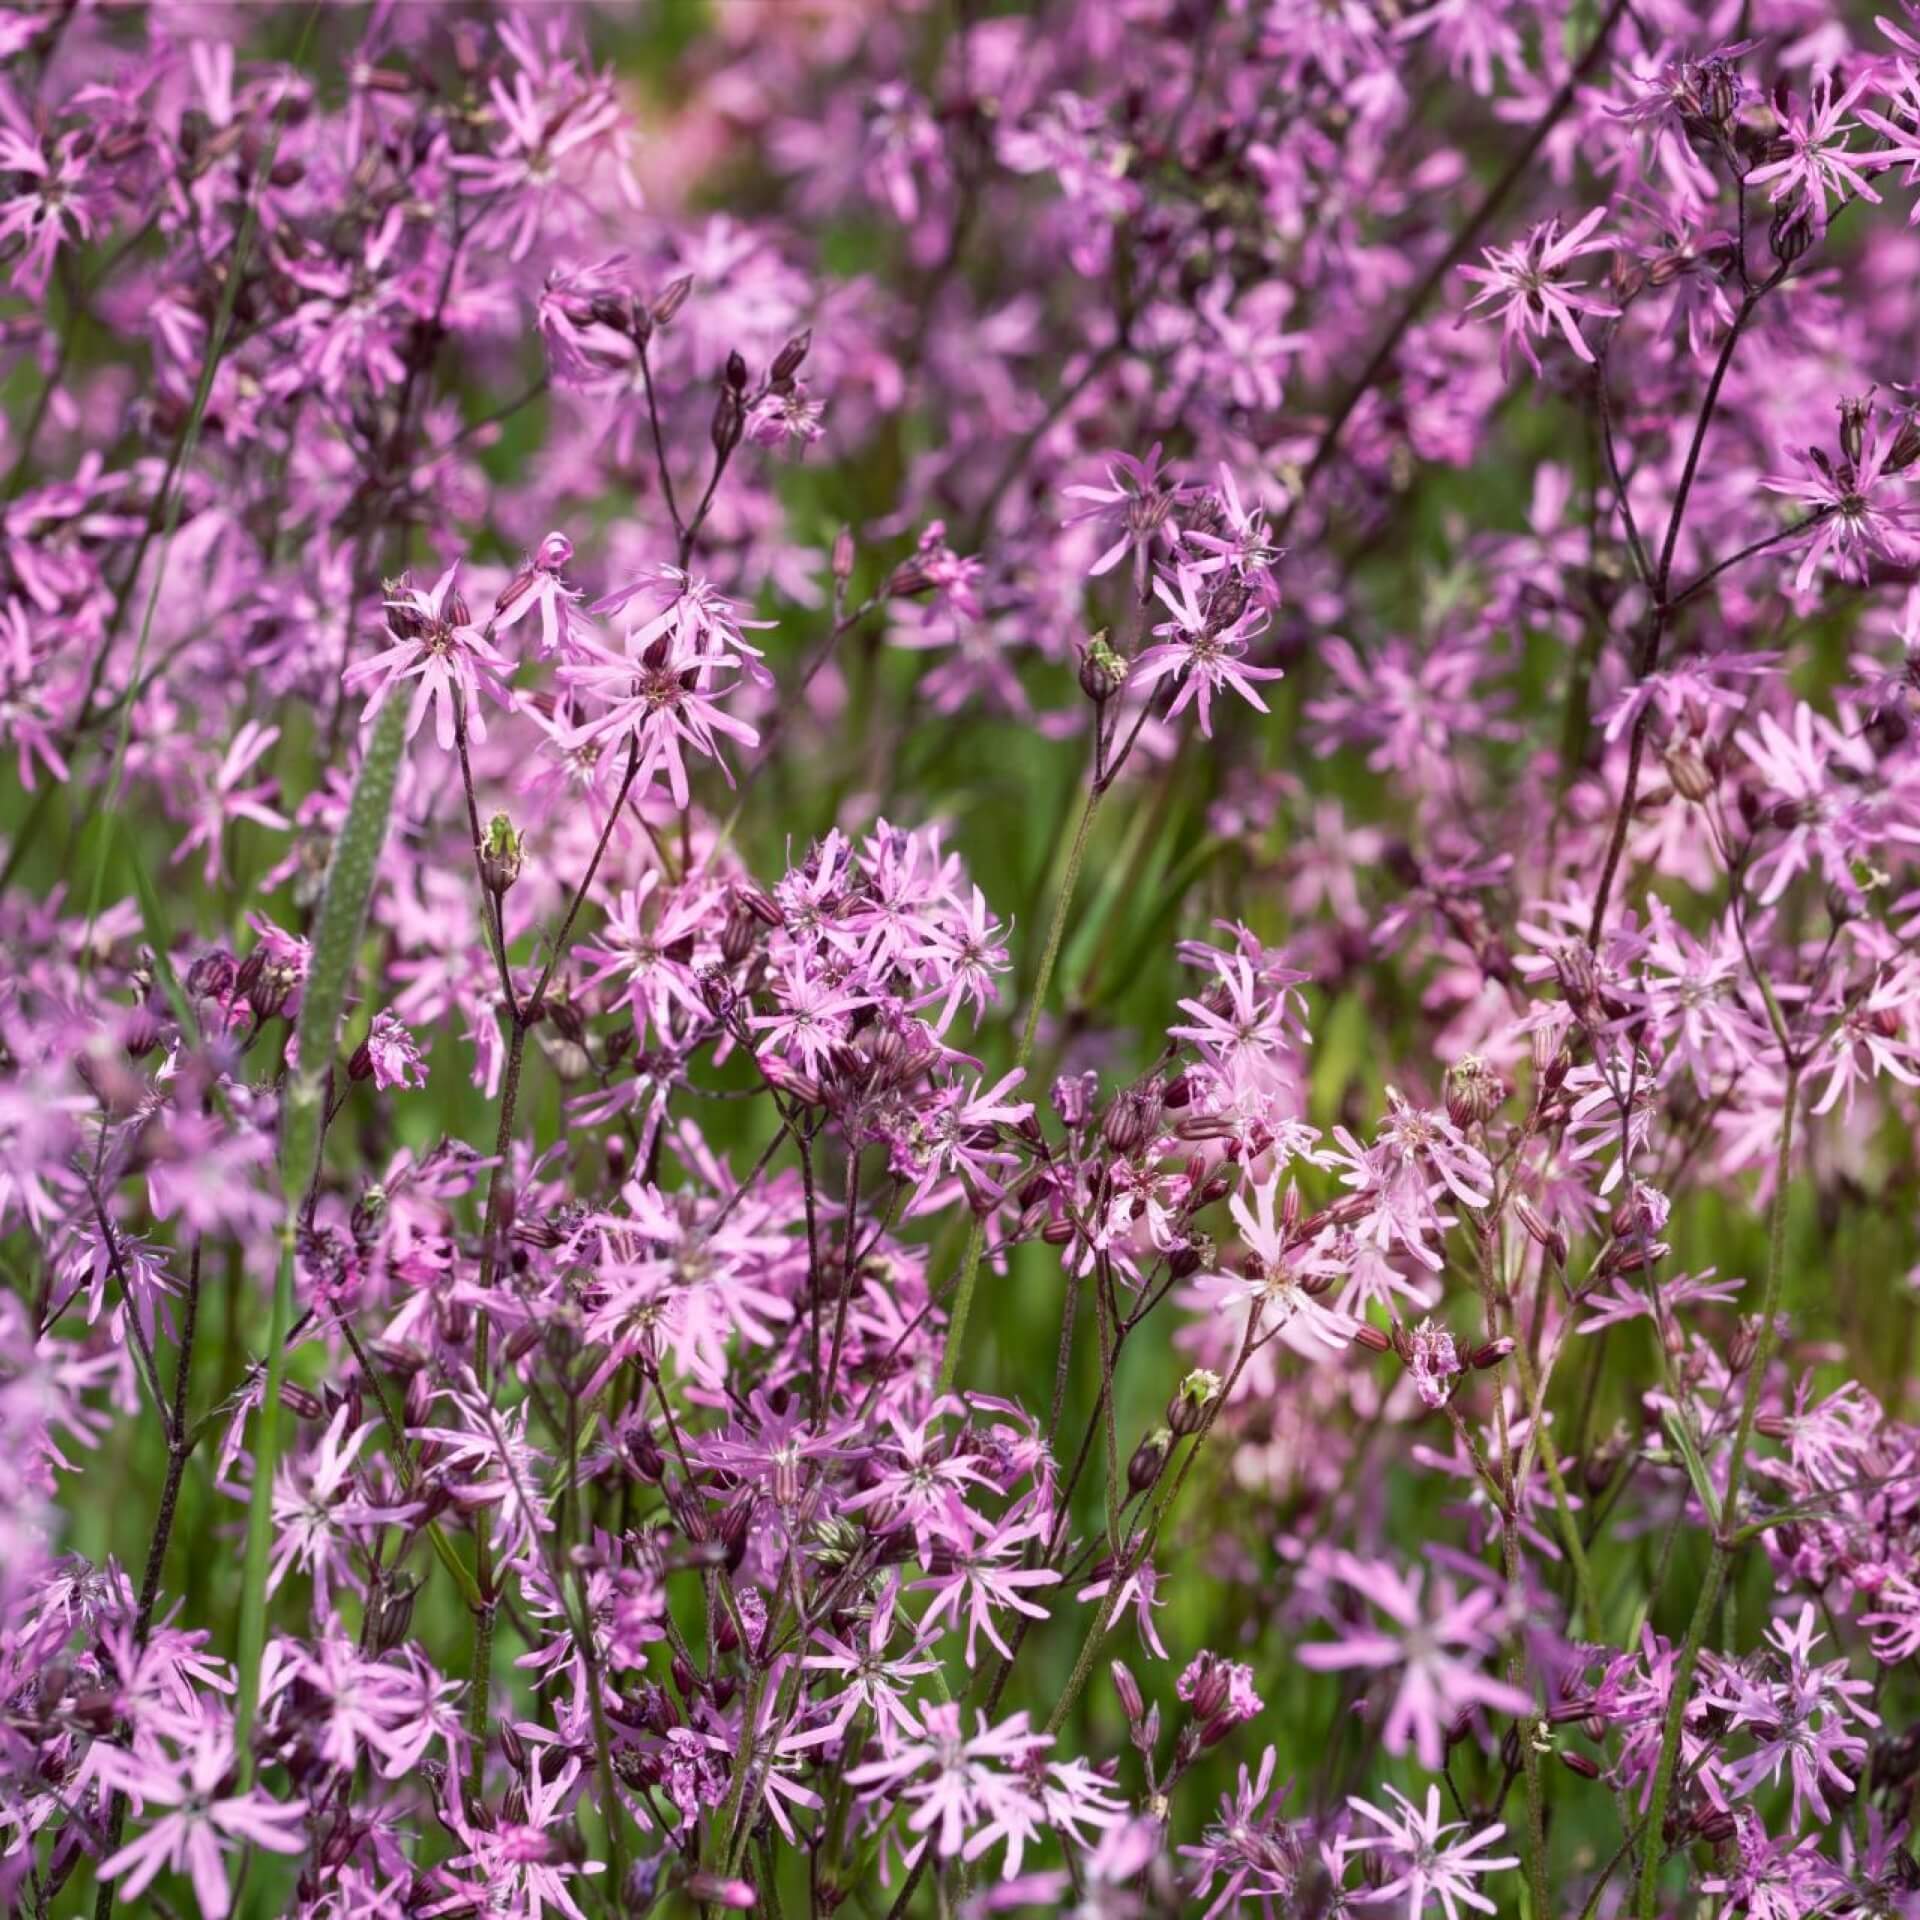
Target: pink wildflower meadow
x,y
959,959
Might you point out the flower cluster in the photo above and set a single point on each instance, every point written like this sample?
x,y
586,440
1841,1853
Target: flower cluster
x,y
959,958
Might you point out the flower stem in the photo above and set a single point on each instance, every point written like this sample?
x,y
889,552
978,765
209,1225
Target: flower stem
x,y
1049,957
1724,1547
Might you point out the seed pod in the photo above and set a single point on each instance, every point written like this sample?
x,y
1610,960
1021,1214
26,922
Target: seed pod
x,y
1790,235
1131,1120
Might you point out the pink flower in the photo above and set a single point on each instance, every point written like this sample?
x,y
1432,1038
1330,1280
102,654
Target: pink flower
x,y
1425,1864
1435,1651
203,1825
658,695
1530,281
435,644
1206,639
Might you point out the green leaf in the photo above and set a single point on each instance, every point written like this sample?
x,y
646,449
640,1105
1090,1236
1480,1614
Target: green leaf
x,y
343,915
160,938
1340,1050
336,946
1696,1467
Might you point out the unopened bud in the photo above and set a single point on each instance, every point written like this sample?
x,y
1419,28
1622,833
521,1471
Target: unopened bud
x,y
1149,1460
1187,1410
729,416
708,1889
643,1450
741,933
1128,1688
786,362
501,851
1102,671
1790,235
672,300
1693,780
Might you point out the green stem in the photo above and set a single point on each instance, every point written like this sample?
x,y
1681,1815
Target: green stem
x,y
1049,957
1724,1546
266,1459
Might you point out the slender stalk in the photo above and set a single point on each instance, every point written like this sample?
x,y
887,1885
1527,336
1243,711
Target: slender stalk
x,y
1663,604
1049,957
266,1459
1519,168
179,1448
1724,1546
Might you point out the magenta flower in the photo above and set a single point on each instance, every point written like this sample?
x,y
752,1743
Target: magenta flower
x,y
436,645
541,583
966,1790
1536,297
1431,1646
1423,1862
202,1824
1135,508
225,799
1204,644
392,1055
1863,503
659,696
1817,166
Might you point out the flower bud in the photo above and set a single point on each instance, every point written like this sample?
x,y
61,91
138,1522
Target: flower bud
x,y
729,417
708,1889
1693,779
1369,1337
672,300
1149,1460
501,851
1102,671
843,555
741,932
1128,1688
786,363
643,1451
1790,235
1187,1410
